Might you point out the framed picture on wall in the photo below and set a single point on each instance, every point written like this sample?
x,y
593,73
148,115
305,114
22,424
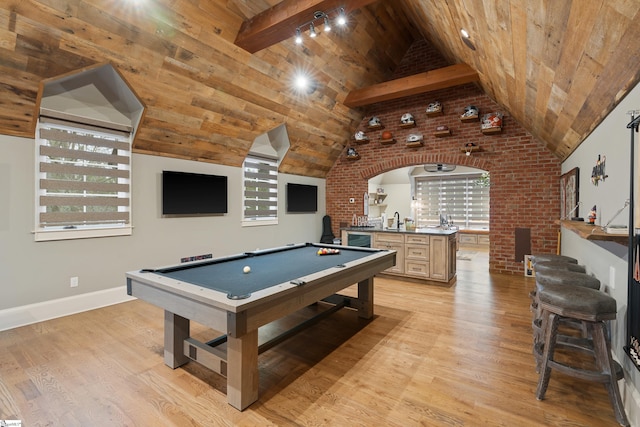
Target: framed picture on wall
x,y
569,194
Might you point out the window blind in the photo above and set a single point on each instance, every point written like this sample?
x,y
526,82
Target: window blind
x,y
457,197
84,177
260,188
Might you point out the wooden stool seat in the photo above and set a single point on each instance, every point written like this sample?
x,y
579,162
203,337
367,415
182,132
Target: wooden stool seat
x,y
592,308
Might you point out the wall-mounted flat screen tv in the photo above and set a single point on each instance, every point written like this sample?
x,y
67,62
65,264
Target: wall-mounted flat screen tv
x,y
185,193
302,198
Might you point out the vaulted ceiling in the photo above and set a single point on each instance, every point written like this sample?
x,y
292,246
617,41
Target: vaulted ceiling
x,y
557,66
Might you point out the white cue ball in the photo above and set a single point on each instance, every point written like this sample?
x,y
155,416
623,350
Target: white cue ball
x,y
246,269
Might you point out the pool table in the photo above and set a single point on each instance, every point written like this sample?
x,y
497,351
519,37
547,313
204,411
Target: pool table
x,y
217,293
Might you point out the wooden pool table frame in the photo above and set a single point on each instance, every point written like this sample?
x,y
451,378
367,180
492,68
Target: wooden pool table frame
x,y
183,302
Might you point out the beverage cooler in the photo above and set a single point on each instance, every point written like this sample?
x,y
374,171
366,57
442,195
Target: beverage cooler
x,y
362,240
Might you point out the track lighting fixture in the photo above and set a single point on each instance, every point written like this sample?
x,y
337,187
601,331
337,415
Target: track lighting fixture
x,y
325,17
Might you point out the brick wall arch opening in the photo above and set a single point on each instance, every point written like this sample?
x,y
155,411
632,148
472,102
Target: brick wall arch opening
x,y
525,189
410,160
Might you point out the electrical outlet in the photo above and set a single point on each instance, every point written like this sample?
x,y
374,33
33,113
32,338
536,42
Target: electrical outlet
x,y
73,282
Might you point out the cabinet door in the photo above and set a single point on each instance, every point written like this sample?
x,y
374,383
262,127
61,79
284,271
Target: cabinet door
x,y
394,242
399,248
438,255
468,239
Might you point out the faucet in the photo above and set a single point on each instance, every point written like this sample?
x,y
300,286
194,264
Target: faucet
x,y
397,215
444,221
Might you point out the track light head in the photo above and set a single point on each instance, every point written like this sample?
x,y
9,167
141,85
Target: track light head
x,y
342,18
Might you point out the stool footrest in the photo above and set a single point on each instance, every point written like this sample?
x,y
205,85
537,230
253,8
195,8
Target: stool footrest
x,y
586,374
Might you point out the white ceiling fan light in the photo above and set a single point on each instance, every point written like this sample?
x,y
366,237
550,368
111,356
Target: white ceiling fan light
x,y
439,167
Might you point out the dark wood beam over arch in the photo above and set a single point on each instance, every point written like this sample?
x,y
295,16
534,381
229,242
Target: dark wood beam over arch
x,y
441,78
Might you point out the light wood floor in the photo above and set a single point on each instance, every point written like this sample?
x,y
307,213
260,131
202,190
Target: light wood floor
x,y
432,356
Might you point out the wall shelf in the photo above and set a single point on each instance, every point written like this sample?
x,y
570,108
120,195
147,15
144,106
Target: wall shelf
x,y
387,141
470,149
466,119
442,133
491,130
593,232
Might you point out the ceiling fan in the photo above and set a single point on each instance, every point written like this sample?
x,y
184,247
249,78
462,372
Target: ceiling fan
x,y
439,167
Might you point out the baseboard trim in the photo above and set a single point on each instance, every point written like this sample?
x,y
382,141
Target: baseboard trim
x,y
631,402
33,313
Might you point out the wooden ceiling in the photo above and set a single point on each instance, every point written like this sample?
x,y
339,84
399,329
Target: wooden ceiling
x,y
558,67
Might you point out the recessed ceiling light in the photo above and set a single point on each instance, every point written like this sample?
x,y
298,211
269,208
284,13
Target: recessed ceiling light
x,y
301,82
466,39
304,84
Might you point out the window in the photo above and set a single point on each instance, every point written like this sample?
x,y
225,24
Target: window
x,y
260,200
83,181
458,197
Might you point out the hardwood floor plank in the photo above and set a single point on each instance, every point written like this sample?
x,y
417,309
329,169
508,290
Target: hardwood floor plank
x,y
455,355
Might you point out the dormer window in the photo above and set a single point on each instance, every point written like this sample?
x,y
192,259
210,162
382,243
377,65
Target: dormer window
x,y
84,135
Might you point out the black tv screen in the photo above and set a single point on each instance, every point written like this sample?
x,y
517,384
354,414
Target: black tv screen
x,y
185,193
302,198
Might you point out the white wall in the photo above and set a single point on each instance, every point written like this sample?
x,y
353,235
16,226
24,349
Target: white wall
x,y
606,260
39,272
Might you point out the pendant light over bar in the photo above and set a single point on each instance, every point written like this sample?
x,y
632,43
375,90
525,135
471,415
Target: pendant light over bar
x,y
338,15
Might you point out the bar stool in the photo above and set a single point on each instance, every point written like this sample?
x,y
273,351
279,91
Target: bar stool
x,y
592,308
560,278
551,263
552,257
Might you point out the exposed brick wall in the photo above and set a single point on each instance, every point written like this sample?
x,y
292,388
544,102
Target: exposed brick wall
x,y
524,174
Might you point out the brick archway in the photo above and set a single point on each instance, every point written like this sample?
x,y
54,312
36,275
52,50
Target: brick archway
x,y
421,159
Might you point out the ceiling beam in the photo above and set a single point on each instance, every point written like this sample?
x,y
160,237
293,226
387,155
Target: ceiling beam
x,y
280,22
441,78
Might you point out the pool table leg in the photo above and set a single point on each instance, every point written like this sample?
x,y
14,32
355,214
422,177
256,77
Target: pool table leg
x,y
176,330
365,298
242,370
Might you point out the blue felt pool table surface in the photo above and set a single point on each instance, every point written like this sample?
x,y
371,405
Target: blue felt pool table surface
x,y
268,268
